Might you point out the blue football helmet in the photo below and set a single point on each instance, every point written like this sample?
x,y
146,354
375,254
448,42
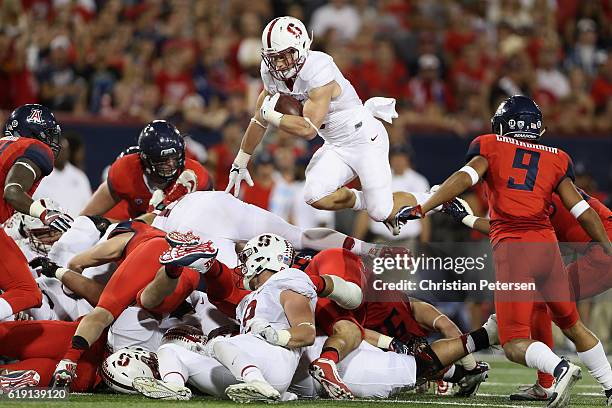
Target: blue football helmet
x,y
162,150
36,122
518,117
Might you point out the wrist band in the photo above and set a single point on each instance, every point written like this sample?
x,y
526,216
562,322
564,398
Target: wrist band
x,y
384,342
253,120
60,272
36,209
310,123
469,220
471,172
27,166
242,159
579,208
436,319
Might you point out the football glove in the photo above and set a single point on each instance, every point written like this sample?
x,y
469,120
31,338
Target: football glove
x,y
47,267
156,201
237,174
186,183
268,112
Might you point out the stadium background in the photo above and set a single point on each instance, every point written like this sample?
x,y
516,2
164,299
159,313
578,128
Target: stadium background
x,y
108,67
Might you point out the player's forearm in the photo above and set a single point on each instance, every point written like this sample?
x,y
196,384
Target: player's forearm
x,y
16,197
83,287
456,184
298,126
301,336
101,201
591,223
482,225
252,137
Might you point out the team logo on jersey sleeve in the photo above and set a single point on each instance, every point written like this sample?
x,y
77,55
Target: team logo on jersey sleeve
x,y
35,116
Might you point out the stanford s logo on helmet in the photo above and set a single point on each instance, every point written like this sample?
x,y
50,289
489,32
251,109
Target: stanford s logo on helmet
x,y
36,122
518,117
162,150
285,46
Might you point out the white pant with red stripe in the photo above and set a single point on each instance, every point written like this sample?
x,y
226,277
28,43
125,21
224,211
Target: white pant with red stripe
x,y
277,365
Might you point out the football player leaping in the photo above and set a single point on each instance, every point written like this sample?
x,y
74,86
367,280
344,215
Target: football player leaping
x,y
356,144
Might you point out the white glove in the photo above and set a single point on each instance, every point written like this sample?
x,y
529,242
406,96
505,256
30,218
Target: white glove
x,y
57,220
268,333
268,112
156,200
188,179
238,173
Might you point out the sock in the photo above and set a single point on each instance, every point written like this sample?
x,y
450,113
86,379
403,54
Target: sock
x,y
173,272
448,374
475,341
319,283
360,203
171,367
541,330
234,360
330,353
539,356
468,362
455,373
6,309
79,346
597,363
252,373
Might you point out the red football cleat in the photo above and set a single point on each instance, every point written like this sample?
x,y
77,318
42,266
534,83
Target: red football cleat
x,y
176,238
14,380
199,257
326,373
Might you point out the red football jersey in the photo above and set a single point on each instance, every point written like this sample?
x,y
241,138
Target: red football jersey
x,y
126,181
521,179
395,319
13,148
568,228
142,232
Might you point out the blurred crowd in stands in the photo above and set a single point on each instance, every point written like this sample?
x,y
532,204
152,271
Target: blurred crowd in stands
x,y
196,62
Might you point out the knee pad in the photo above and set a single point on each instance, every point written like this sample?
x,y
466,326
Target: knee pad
x,y
379,211
314,191
427,363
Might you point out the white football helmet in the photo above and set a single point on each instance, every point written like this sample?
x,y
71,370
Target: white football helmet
x,y
120,368
285,45
40,236
264,252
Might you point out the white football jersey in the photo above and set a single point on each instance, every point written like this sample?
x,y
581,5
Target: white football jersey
x,y
346,111
224,219
264,303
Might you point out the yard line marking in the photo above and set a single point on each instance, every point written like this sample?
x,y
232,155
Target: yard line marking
x,y
461,404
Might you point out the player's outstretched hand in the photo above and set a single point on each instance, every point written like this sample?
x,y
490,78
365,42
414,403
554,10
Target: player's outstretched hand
x,y
236,176
156,201
410,213
47,267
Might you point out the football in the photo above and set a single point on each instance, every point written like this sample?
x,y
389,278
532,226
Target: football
x,y
288,105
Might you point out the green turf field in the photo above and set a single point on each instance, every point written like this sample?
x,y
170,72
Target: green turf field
x,y
503,379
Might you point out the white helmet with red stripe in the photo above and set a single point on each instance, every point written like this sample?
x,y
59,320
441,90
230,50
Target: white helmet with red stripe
x,y
285,45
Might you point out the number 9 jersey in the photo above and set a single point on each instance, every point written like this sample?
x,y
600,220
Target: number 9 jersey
x,y
520,180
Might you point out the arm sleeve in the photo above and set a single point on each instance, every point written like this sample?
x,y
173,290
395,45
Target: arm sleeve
x,y
474,149
41,156
297,281
569,169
